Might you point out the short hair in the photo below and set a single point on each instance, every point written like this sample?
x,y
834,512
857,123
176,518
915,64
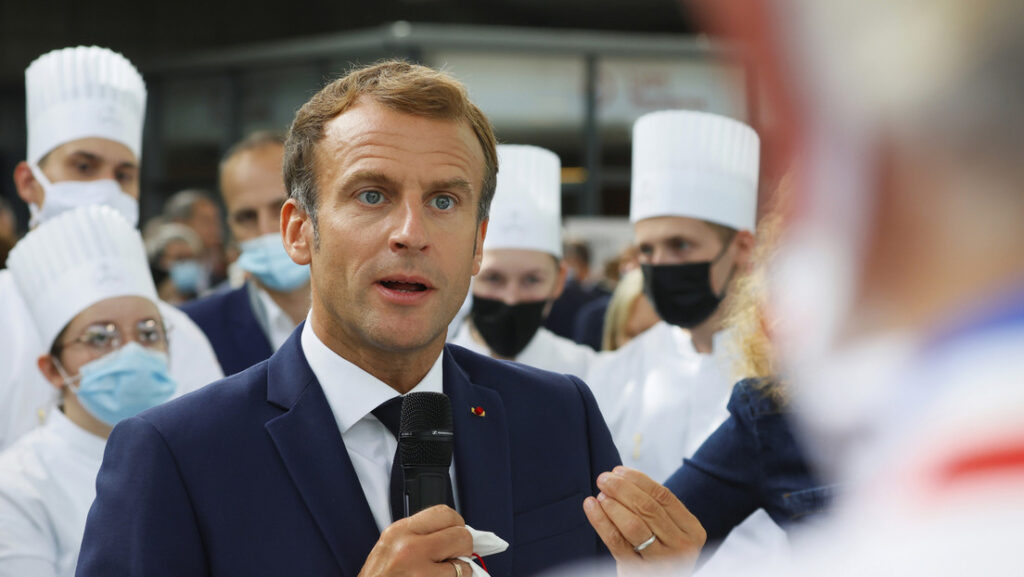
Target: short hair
x,y
180,206
577,249
397,85
255,141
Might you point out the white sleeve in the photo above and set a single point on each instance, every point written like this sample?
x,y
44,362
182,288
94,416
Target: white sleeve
x,y
27,547
193,362
23,390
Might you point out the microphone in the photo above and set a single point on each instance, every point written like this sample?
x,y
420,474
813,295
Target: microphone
x,y
425,445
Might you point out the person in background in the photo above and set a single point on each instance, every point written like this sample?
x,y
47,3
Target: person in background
x,y
247,324
103,347
590,321
578,290
8,230
85,107
198,210
522,273
629,312
693,206
173,251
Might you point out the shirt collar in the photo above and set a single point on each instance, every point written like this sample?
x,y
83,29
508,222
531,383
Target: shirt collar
x,y
352,392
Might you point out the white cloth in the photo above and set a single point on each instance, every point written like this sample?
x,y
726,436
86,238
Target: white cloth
x,y
546,350
662,399
279,323
352,394
47,484
26,396
484,543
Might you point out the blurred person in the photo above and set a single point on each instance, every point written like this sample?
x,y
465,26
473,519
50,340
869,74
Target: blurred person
x,y
8,230
693,206
198,210
173,251
390,170
522,273
629,312
103,348
578,291
590,320
246,325
85,107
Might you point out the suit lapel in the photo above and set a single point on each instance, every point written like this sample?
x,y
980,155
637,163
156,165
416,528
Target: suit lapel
x,y
310,445
482,467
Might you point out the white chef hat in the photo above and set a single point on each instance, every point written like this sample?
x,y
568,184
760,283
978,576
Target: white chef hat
x,y
697,165
74,260
83,92
526,212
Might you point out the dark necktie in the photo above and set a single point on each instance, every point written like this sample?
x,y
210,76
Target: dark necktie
x,y
390,414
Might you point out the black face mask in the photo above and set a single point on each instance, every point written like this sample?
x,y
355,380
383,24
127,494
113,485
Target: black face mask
x,y
507,329
681,293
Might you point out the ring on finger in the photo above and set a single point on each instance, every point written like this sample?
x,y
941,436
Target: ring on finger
x,y
458,568
646,543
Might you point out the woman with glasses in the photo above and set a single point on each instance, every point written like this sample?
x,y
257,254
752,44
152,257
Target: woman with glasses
x,y
87,284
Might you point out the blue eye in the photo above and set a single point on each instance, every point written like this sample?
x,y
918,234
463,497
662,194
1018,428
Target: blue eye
x,y
371,197
443,202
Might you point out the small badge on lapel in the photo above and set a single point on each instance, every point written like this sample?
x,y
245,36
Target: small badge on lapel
x,y
478,411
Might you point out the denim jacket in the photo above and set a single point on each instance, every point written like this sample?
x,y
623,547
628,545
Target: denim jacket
x,y
750,462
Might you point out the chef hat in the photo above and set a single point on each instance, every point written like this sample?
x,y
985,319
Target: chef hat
x,y
527,208
75,260
83,92
695,164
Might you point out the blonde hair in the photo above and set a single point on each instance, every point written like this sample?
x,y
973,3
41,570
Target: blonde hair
x,y
629,289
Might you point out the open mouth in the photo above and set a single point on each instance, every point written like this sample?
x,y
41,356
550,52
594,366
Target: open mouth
x,y
405,287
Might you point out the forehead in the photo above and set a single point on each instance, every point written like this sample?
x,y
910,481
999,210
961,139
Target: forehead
x,y
661,228
369,134
122,311
254,171
512,260
108,151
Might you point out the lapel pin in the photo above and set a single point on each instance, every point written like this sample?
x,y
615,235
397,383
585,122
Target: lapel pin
x,y
478,411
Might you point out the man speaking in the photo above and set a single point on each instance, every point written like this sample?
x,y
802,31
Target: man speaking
x,y
284,469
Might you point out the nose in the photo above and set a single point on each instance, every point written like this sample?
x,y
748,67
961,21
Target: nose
x,y
409,233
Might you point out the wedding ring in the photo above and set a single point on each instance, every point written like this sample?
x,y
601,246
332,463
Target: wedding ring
x,y
458,569
645,544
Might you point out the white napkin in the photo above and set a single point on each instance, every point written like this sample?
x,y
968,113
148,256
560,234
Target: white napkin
x,y
484,543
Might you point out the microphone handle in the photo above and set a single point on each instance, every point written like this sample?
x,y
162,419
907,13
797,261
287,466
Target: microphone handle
x,y
425,486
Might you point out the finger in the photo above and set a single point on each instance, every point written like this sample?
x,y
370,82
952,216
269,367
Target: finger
x,y
434,519
619,547
448,543
674,508
446,568
632,527
669,540
640,504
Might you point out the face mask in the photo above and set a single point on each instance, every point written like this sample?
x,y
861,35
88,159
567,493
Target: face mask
x,y
123,383
507,329
267,260
681,293
185,274
70,194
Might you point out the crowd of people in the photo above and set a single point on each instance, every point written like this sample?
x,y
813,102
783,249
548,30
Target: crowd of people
x,y
829,389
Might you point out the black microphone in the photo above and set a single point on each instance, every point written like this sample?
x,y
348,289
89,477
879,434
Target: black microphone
x,y
425,445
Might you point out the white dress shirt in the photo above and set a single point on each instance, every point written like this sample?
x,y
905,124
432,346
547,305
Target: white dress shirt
x,y
279,325
47,484
352,394
26,396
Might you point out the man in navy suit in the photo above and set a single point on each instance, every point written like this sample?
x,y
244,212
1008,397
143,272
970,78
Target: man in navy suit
x,y
247,324
283,469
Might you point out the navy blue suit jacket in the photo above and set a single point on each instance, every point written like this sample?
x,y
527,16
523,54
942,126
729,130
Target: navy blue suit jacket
x,y
227,319
250,476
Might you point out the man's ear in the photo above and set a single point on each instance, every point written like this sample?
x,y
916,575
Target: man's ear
x,y
297,232
49,370
743,243
478,253
28,187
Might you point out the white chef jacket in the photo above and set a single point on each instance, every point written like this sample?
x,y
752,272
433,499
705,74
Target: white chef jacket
x,y
353,394
47,484
26,396
546,350
662,399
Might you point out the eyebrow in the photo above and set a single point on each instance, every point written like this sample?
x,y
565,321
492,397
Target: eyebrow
x,y
376,177
97,158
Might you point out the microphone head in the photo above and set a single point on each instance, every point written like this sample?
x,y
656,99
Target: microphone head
x,y
425,434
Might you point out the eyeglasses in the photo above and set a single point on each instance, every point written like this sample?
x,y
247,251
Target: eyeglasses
x,y
106,337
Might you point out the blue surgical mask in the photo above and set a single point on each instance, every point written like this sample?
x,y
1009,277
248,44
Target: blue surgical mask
x,y
186,274
123,383
267,260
